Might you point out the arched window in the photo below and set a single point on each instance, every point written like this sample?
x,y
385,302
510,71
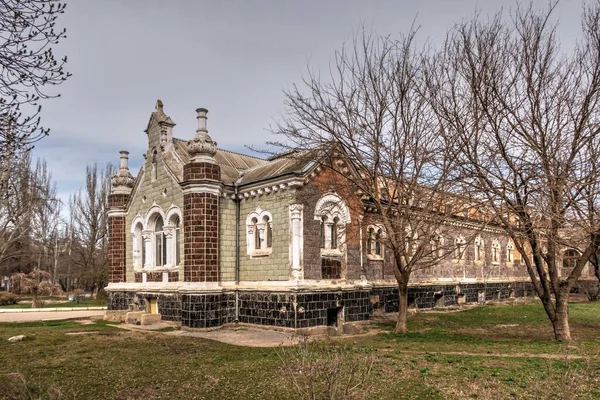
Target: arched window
x,y
160,243
334,233
257,243
154,172
459,248
322,230
259,232
139,252
437,246
378,244
177,226
510,251
495,251
479,249
333,216
268,234
570,257
375,241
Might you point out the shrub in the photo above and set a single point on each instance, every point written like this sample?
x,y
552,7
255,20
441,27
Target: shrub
x,y
47,288
7,299
326,371
36,303
78,295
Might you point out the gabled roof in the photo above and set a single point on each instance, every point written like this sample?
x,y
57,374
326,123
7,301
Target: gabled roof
x,y
279,166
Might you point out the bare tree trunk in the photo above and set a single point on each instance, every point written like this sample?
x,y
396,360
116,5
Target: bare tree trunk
x,y
560,322
402,307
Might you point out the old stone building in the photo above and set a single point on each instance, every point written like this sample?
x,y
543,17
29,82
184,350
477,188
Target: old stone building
x,y
207,237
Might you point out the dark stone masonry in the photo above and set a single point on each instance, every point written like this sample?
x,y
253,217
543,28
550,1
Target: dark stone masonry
x,y
308,309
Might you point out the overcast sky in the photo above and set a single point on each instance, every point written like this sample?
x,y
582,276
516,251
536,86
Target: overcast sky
x,y
232,57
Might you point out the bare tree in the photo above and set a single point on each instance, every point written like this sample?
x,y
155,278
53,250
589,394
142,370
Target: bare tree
x,y
89,225
28,65
17,194
522,115
377,131
29,211
45,216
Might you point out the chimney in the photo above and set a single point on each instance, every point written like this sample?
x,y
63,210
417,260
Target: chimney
x,y
124,158
201,120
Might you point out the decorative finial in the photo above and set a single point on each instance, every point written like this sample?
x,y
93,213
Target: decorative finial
x,y
159,105
202,147
122,182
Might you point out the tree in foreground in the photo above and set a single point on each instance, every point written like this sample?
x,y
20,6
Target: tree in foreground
x,y
28,66
378,132
523,115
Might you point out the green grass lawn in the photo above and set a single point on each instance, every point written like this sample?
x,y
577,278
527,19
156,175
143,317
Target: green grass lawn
x,y
54,303
491,352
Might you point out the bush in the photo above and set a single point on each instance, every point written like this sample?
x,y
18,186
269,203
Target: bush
x,y
36,303
47,288
326,371
78,295
102,296
7,299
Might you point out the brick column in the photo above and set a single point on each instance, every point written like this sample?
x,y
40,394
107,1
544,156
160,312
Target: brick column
x,y
122,183
116,237
201,188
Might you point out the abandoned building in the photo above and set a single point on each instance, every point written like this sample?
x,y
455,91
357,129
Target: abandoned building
x,y
207,237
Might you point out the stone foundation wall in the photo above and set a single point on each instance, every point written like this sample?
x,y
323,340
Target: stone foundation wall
x,y
386,298
309,309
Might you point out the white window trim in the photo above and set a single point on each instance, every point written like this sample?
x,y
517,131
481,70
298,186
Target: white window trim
x,y
496,250
169,229
137,242
510,252
459,243
372,255
332,206
479,250
251,249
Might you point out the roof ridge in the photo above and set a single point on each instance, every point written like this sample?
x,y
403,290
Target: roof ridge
x,y
230,151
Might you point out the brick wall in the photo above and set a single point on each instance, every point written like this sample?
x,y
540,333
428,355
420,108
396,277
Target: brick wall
x,y
116,239
201,237
116,249
201,171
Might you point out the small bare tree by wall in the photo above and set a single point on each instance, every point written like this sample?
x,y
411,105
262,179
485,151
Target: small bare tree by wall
x,y
523,117
377,131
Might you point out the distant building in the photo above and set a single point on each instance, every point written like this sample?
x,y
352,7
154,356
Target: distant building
x,y
208,237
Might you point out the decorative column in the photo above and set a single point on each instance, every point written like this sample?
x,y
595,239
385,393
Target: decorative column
x,y
201,189
122,183
297,240
147,243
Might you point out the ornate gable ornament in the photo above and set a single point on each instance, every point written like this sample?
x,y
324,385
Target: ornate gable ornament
x,y
122,181
202,147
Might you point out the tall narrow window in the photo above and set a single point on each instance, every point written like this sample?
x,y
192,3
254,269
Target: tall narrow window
x,y
323,227
177,241
378,246
479,250
495,251
259,233
334,233
459,249
257,238
160,243
138,246
370,240
267,231
510,251
154,172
